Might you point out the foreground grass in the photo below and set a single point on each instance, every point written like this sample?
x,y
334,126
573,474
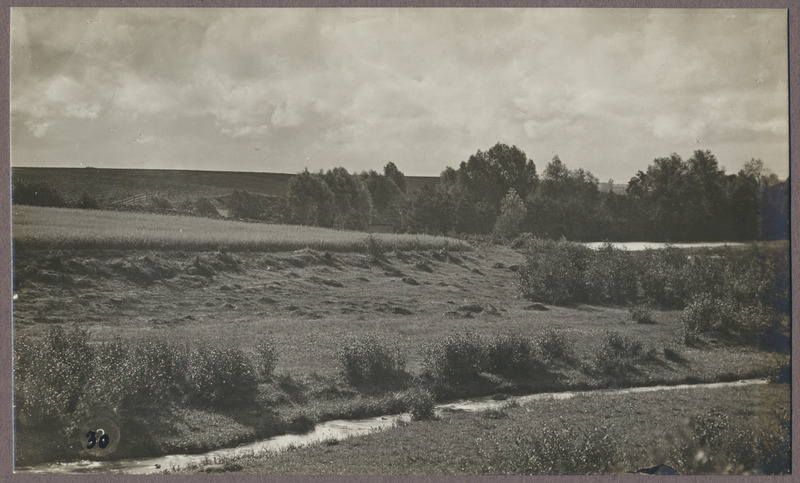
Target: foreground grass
x,y
720,430
66,228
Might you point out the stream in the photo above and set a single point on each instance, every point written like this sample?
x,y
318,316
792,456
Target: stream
x,y
638,246
336,430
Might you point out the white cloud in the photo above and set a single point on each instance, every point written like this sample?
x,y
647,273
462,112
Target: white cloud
x,y
608,90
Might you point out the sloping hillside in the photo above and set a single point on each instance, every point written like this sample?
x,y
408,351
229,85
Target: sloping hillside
x,y
131,186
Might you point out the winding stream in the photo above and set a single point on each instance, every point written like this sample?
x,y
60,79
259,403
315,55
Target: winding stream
x,y
638,246
336,430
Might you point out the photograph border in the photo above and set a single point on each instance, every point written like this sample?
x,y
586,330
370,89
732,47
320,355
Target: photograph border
x,y
6,380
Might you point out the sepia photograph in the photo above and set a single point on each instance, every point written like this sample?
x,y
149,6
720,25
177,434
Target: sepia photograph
x,y
400,241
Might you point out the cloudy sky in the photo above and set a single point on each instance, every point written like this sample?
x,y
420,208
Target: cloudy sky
x,y
282,89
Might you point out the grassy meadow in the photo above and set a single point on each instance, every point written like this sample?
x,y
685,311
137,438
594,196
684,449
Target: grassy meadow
x,y
220,332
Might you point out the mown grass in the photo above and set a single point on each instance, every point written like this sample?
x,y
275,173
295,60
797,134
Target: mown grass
x,y
64,228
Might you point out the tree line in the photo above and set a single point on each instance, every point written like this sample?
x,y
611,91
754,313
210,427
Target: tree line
x,y
500,192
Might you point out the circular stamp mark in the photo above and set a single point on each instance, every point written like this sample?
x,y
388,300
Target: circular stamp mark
x,y
97,434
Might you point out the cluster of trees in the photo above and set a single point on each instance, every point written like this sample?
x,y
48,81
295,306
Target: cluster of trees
x,y
499,191
339,199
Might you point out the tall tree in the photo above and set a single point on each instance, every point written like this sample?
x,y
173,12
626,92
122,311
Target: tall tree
x,y
394,174
311,201
351,199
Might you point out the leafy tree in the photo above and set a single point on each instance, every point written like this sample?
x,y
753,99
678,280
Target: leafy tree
x,y
691,200
351,199
394,174
512,213
565,204
433,210
311,200
478,186
389,203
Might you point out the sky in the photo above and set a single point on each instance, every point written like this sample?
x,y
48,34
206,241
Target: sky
x,y
280,90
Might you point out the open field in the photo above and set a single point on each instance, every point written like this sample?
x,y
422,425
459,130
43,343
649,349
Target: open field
x,y
66,228
139,282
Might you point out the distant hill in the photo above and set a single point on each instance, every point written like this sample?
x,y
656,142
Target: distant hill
x,y
125,186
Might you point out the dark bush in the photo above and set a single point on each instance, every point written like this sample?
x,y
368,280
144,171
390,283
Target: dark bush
x,y
149,374
372,359
554,272
510,355
204,207
36,194
663,277
553,345
158,203
706,314
221,375
248,206
611,276
456,359
374,247
420,403
617,355
88,202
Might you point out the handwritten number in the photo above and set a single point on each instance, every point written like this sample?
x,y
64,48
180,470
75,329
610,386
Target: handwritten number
x,y
101,442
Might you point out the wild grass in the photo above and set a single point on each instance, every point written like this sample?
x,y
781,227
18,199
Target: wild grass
x,y
730,430
39,227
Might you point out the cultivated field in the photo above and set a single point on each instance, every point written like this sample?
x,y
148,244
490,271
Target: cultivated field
x,y
65,228
219,333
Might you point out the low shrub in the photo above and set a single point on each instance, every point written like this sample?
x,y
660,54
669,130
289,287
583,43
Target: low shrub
x,y
553,272
705,314
553,345
87,202
610,276
265,357
219,375
148,374
204,207
50,375
420,403
158,203
617,355
641,313
374,247
456,359
509,355
713,445
372,359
